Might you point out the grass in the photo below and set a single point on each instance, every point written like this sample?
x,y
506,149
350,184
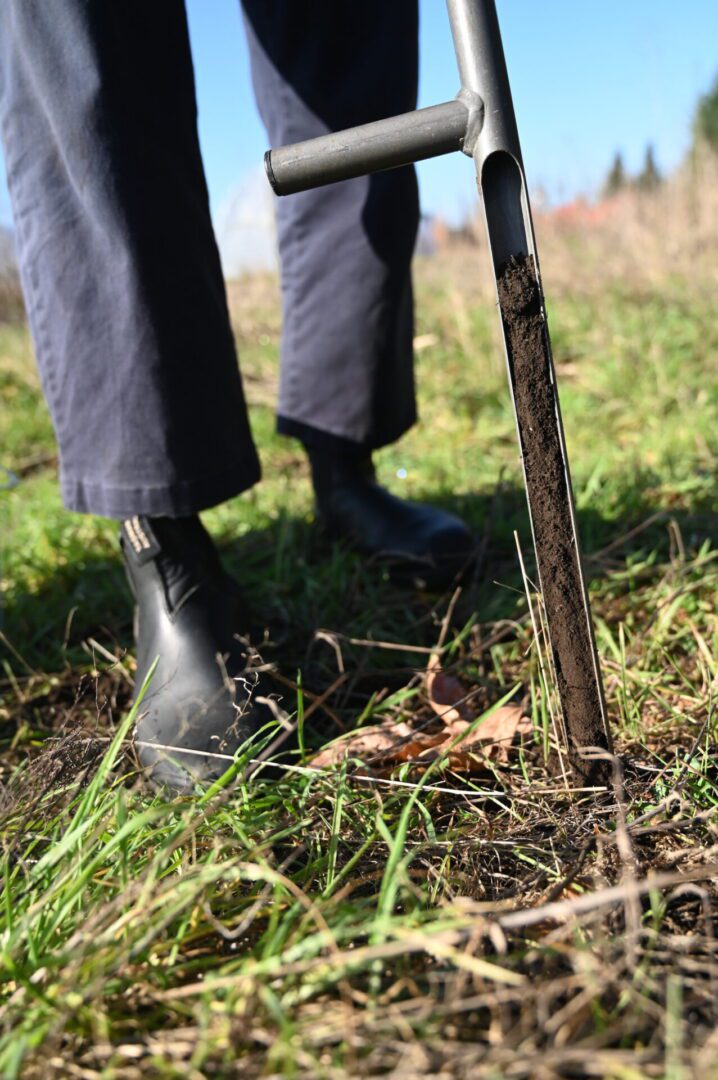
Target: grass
x,y
325,925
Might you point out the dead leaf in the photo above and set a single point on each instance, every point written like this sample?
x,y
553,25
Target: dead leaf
x,y
384,745
491,740
502,726
446,694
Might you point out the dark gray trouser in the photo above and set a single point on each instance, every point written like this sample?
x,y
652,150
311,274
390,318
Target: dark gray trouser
x,y
119,263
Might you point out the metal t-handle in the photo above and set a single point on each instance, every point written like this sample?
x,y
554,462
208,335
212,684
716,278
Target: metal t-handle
x,y
480,121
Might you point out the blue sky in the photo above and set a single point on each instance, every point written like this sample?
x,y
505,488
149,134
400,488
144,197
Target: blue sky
x,y
588,76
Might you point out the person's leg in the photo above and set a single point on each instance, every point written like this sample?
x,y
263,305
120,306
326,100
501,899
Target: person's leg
x,y
127,308
346,384
347,364
119,264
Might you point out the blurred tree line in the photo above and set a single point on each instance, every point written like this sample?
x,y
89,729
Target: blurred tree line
x,y
619,178
705,134
705,123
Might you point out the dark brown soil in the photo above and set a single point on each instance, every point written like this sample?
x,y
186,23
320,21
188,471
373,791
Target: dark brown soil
x,y
549,500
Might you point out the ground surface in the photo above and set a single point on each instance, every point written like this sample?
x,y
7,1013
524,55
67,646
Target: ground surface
x,y
328,926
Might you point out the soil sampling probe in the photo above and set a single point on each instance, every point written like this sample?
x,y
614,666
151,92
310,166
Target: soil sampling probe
x,y
480,122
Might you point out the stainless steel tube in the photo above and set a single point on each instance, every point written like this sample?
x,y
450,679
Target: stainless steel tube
x,y
384,144
481,122
482,68
502,183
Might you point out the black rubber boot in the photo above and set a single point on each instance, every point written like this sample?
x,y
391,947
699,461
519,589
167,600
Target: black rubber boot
x,y
202,699
419,544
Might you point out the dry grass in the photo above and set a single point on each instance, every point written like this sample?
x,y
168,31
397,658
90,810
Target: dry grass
x,y
12,305
636,240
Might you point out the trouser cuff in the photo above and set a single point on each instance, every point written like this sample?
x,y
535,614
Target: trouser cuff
x,y
172,500
316,439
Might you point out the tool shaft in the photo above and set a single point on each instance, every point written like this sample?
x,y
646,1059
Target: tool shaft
x,y
532,380
481,122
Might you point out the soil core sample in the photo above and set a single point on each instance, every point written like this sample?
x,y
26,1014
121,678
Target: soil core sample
x,y
549,499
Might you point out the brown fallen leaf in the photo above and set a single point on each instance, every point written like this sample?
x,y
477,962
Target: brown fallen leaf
x,y
502,726
491,740
383,745
446,694
386,745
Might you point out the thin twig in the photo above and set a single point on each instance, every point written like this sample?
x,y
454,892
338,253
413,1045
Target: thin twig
x,y
308,770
